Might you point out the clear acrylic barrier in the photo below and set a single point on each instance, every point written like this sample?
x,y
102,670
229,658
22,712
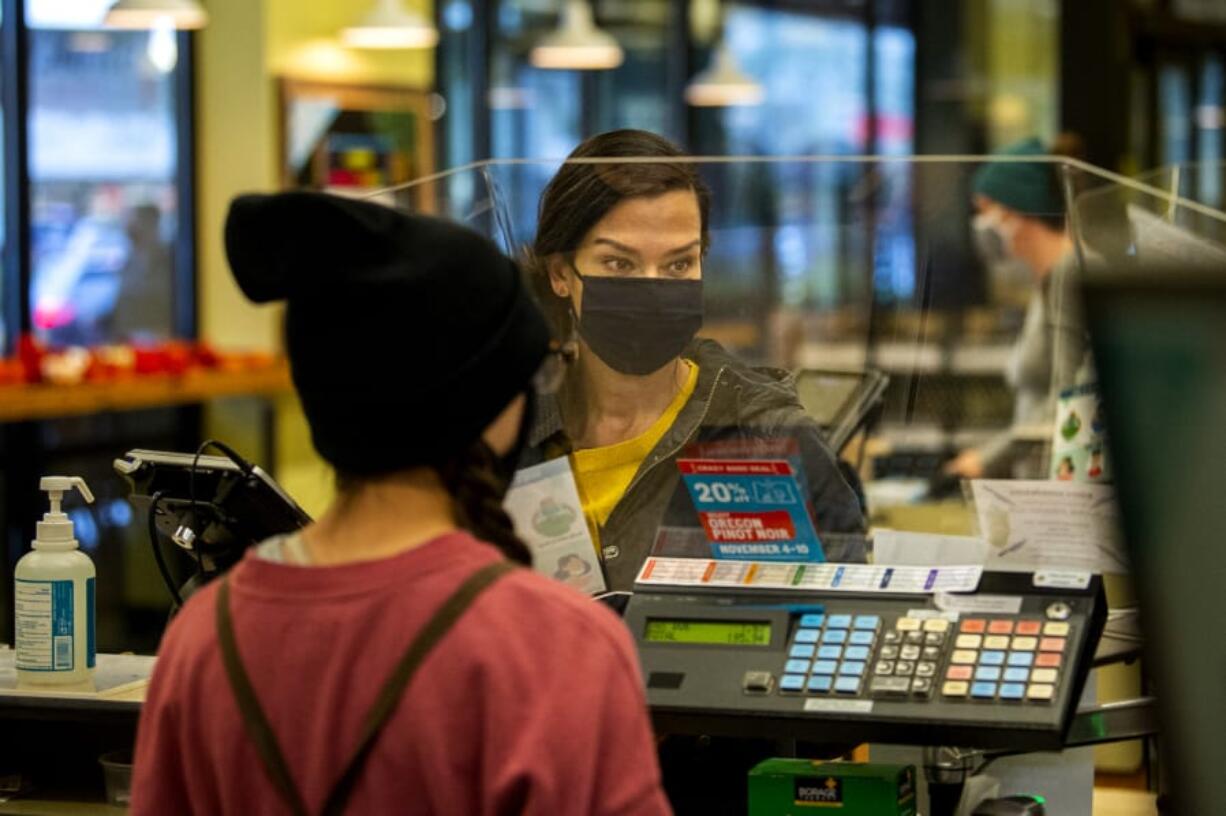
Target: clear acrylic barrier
x,y
1163,219
838,264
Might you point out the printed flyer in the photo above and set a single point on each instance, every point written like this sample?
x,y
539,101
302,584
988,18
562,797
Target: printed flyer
x,y
752,509
544,505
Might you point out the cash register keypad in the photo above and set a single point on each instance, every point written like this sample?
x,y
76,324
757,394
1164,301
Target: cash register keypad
x,y
1007,660
977,659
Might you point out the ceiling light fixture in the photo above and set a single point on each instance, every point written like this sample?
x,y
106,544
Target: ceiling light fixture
x,y
723,84
148,14
577,44
390,25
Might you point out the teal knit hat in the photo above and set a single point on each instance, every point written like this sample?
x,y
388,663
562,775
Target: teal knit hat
x,y
1029,188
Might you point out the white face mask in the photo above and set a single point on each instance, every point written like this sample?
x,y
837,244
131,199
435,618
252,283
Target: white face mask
x,y
993,237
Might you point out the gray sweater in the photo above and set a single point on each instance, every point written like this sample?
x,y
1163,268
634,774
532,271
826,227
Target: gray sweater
x,y
1050,351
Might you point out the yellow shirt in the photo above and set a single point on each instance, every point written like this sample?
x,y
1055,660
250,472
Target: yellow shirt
x,y
603,474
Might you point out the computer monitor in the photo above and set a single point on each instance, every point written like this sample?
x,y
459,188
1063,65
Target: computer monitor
x,y
841,402
1159,340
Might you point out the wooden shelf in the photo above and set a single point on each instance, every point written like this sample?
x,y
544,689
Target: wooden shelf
x,y
19,403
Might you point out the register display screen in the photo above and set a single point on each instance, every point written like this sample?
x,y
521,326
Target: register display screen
x,y
824,395
708,632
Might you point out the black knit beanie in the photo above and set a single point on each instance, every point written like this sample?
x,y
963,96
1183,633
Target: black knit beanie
x,y
407,335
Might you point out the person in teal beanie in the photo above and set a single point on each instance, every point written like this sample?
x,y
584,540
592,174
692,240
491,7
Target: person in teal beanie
x,y
1021,217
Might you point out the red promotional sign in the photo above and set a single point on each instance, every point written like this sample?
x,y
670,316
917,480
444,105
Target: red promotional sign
x,y
734,467
771,525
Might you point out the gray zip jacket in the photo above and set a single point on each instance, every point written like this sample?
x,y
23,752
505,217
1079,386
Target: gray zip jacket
x,y
731,400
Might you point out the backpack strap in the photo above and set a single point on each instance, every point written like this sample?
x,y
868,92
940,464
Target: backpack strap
x,y
256,724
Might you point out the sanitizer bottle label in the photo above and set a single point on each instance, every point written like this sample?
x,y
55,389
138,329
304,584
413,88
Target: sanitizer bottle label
x,y
44,626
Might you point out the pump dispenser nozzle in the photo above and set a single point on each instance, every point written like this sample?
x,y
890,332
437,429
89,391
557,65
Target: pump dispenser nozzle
x,y
55,528
57,486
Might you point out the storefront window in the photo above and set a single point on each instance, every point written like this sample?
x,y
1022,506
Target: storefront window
x,y
1211,119
103,177
815,74
4,329
1175,112
842,81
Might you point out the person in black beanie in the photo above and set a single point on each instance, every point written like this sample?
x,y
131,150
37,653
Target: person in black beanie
x,y
388,657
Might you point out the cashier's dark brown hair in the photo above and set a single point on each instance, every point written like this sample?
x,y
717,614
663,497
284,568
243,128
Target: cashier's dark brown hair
x,y
581,194
476,494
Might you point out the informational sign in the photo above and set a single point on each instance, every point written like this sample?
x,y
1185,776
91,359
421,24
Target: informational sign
x,y
752,510
544,505
859,578
1034,524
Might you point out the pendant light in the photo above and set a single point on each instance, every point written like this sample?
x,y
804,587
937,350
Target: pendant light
x,y
577,44
722,84
147,14
390,25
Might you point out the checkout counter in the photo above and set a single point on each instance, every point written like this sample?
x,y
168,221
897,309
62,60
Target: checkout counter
x,y
969,661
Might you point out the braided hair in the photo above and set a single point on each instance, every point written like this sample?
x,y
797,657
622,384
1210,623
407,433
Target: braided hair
x,y
477,489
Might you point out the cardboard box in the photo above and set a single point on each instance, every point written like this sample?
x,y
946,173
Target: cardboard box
x,y
800,787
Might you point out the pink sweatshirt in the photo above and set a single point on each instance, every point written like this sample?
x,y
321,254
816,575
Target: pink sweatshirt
x,y
532,704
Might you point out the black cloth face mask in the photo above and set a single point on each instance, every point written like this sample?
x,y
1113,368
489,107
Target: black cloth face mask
x,y
638,325
506,464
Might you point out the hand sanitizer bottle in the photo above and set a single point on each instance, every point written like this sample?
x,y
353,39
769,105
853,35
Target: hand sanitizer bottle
x,y
55,600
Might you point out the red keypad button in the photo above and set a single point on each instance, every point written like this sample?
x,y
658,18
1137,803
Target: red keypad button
x,y
1048,660
1029,627
1000,627
974,626
1051,645
959,673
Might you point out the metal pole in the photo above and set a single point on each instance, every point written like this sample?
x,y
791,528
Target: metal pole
x,y
14,65
185,300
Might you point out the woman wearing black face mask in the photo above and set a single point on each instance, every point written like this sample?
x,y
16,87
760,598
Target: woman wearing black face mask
x,y
617,263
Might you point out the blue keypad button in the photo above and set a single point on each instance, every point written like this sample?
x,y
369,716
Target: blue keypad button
x,y
983,690
1012,691
862,638
814,620
829,652
1021,658
838,622
847,685
1017,675
802,650
792,682
992,659
824,667
855,668
821,683
797,667
991,673
834,636
867,622
807,636
857,653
